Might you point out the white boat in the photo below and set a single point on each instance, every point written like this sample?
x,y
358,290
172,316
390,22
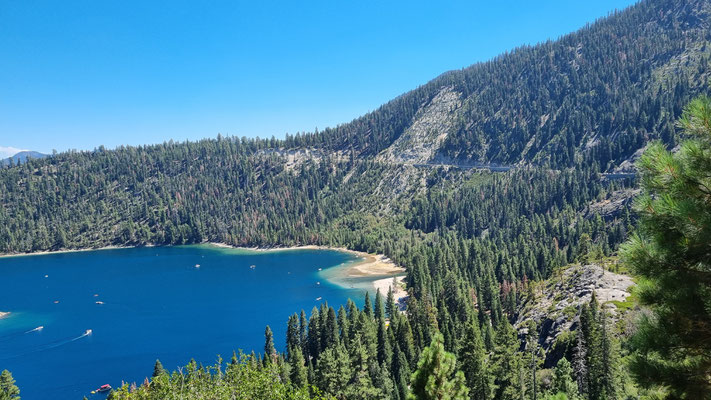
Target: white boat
x,y
318,298
197,265
87,332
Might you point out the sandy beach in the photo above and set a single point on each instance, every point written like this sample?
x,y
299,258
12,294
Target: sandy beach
x,y
398,285
370,266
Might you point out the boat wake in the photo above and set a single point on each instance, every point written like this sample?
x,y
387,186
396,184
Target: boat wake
x,y
61,342
19,333
50,345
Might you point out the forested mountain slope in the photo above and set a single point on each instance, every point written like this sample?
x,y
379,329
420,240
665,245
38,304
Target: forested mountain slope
x,y
595,95
588,100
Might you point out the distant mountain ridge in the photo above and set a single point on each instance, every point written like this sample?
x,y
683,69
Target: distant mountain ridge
x,y
22,157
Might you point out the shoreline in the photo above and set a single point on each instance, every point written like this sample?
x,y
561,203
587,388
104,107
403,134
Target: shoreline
x,y
381,270
377,267
47,252
371,265
398,285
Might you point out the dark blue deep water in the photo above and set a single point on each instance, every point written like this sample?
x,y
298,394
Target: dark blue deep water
x,y
156,305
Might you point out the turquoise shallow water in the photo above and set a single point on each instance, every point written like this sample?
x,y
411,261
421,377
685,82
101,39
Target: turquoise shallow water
x,y
156,304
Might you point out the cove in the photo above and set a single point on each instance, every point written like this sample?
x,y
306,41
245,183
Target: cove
x,y
143,304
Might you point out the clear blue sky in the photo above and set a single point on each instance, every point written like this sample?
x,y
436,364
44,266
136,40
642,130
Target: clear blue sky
x,y
79,74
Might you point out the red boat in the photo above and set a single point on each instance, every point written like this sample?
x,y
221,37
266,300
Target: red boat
x,y
104,388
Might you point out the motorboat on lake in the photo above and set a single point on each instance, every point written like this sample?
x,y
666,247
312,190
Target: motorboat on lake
x,y
102,389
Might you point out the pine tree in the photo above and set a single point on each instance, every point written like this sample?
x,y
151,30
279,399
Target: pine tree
x,y
580,367
379,307
368,306
314,334
311,373
385,352
303,336
8,390
507,363
158,369
590,328
293,340
334,370
400,371
670,253
283,369
609,377
563,381
360,385
406,342
532,362
298,372
437,376
269,350
474,363
390,306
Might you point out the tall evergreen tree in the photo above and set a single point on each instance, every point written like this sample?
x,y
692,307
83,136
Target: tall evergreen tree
x,y
298,372
563,380
670,254
334,371
360,386
390,306
507,366
158,369
368,306
293,339
609,376
474,363
437,376
590,328
400,372
580,367
8,389
269,350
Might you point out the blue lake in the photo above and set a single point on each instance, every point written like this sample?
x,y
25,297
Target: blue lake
x,y
143,304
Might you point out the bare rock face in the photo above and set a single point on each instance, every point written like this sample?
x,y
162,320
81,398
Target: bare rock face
x,y
556,305
613,205
419,143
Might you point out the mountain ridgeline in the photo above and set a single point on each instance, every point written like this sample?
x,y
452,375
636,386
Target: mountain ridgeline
x,y
595,95
21,157
480,182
